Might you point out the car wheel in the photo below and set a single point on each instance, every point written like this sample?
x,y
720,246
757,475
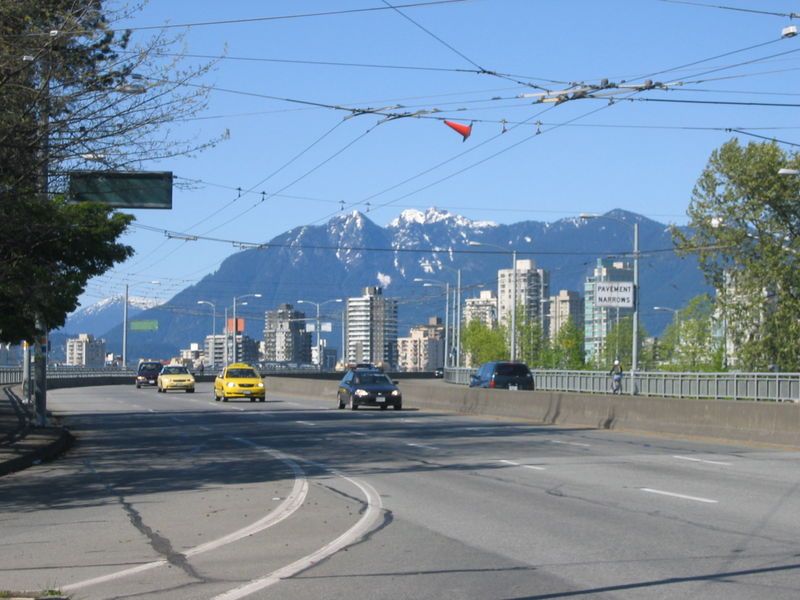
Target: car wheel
x,y
352,404
138,387
252,399
262,399
383,407
398,407
224,399
190,391
339,403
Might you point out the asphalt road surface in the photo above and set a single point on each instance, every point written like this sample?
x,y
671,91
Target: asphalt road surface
x,y
177,496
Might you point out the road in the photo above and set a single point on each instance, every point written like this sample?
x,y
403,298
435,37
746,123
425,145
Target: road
x,y
178,496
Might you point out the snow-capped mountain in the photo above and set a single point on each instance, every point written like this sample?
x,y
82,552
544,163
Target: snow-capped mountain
x,y
338,259
105,314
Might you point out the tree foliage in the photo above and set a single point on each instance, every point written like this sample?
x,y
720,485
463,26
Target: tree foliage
x,y
692,341
567,348
619,345
74,94
744,225
482,343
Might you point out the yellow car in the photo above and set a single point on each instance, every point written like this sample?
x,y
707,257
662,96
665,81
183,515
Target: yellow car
x,y
239,380
175,377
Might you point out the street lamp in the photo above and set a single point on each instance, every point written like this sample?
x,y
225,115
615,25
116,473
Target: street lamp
x,y
213,331
513,294
235,324
319,332
125,325
635,349
446,286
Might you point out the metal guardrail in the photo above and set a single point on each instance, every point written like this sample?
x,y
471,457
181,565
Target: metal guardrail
x,y
769,387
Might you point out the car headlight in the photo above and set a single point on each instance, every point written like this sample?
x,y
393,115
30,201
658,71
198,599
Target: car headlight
x,y
260,384
362,393
395,392
230,384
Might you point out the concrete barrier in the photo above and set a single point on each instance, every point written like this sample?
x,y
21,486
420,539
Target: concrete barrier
x,y
724,420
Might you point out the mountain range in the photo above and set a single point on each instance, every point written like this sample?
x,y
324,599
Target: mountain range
x,y
338,259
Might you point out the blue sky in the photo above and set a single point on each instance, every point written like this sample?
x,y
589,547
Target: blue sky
x,y
640,154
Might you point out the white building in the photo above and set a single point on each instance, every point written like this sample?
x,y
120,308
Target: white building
x,y
483,308
567,305
86,351
533,291
598,321
423,349
371,328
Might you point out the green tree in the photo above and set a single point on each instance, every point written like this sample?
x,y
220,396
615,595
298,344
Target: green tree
x,y
482,343
567,351
744,226
533,347
690,342
74,93
619,345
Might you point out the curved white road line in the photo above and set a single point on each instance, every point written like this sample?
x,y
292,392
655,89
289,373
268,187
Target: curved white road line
x,y
352,535
284,510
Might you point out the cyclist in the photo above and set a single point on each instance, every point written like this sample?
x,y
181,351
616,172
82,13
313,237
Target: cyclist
x,y
616,378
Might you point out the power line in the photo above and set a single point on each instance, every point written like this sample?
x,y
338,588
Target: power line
x,y
250,19
790,15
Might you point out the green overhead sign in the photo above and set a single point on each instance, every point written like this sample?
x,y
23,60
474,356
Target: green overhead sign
x,y
122,189
151,325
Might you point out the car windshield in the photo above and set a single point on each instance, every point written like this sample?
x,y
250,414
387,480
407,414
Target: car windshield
x,y
242,373
149,367
174,371
511,370
372,379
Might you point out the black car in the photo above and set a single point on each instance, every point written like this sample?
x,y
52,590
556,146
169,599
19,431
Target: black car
x,y
147,373
503,375
368,387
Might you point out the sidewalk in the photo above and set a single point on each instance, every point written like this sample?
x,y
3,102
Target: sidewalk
x,y
22,444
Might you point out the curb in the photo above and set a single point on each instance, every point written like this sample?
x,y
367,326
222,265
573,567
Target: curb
x,y
42,454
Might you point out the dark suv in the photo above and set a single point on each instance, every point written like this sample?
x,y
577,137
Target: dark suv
x,y
147,373
504,375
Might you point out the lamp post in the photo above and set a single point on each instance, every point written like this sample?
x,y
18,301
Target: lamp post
x,y
513,294
446,286
235,324
125,325
319,333
635,348
213,331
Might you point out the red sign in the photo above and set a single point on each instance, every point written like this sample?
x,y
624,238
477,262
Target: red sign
x,y
239,323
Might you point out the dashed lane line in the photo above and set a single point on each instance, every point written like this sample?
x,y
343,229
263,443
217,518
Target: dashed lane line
x,y
516,464
681,496
702,460
426,446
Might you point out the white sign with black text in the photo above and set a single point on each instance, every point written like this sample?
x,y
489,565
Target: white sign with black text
x,y
613,294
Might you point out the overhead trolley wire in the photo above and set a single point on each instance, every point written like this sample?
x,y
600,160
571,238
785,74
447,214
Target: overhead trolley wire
x,y
791,15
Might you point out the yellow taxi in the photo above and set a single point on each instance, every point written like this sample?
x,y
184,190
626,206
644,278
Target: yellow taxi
x,y
239,380
175,377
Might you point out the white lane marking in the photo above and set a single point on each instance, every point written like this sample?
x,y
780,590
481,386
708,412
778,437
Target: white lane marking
x,y
351,536
682,496
204,428
285,509
422,446
306,423
177,420
570,443
150,410
702,460
356,433
516,464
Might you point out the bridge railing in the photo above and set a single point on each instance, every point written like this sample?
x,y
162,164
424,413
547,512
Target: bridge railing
x,y
770,387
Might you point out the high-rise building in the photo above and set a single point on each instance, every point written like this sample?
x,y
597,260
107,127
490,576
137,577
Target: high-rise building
x,y
533,291
483,308
599,320
423,349
285,336
371,328
214,349
219,349
567,305
86,351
